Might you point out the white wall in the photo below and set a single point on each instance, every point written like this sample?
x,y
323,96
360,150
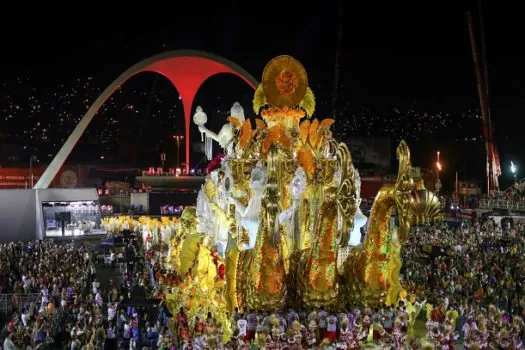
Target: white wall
x,y
18,215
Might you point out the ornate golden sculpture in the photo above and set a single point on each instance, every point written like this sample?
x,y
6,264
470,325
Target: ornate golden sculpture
x,y
284,82
286,196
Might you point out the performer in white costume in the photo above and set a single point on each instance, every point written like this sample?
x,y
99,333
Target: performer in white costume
x,y
359,218
212,214
288,216
249,214
226,133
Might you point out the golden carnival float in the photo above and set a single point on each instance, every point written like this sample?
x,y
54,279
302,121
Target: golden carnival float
x,y
281,212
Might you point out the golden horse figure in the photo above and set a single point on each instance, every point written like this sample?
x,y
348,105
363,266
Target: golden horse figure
x,y
371,271
283,203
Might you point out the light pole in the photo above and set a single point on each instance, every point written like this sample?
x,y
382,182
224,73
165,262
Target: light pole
x,y
514,171
178,139
162,159
31,170
438,168
31,159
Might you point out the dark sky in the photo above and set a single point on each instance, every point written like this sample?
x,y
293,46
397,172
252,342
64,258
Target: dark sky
x,y
391,54
403,45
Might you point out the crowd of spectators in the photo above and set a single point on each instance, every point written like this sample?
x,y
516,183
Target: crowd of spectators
x,y
473,279
28,267
55,297
482,264
464,287
58,302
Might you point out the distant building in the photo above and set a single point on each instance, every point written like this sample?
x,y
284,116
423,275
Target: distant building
x,y
470,188
10,154
372,157
370,153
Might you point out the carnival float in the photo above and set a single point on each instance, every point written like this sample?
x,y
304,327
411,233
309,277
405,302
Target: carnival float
x,y
282,207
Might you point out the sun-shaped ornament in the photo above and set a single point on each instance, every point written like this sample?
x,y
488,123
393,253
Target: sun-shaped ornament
x,y
284,81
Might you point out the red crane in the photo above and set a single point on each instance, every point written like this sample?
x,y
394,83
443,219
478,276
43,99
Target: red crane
x,y
480,68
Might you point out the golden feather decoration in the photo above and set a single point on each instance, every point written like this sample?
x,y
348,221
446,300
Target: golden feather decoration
x,y
259,99
265,146
308,102
260,123
246,133
285,141
304,128
312,134
234,121
306,160
326,123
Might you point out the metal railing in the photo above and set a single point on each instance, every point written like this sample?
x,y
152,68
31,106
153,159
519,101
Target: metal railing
x,y
520,182
6,300
501,204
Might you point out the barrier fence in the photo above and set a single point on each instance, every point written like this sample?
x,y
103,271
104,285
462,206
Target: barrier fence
x,y
501,204
6,301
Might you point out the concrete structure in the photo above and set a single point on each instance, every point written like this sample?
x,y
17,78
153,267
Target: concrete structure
x,y
21,217
186,69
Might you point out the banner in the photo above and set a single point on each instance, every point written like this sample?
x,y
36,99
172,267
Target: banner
x,y
18,177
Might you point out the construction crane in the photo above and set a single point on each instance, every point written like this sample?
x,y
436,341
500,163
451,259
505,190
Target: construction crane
x,y
337,59
493,166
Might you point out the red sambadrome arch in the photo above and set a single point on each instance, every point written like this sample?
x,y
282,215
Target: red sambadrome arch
x,y
186,69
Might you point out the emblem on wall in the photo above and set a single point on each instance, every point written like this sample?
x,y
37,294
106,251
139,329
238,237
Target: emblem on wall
x,y
68,179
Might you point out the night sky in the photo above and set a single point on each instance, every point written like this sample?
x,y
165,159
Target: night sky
x,y
395,55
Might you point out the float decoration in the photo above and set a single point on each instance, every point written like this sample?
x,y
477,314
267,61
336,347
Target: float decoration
x,y
282,206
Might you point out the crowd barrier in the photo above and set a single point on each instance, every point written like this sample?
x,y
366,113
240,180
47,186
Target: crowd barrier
x,y
6,300
501,204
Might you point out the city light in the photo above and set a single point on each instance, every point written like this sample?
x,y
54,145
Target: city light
x,y
438,167
178,139
514,171
55,111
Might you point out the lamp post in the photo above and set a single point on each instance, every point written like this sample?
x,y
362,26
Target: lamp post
x,y
178,139
31,159
162,160
438,168
514,171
